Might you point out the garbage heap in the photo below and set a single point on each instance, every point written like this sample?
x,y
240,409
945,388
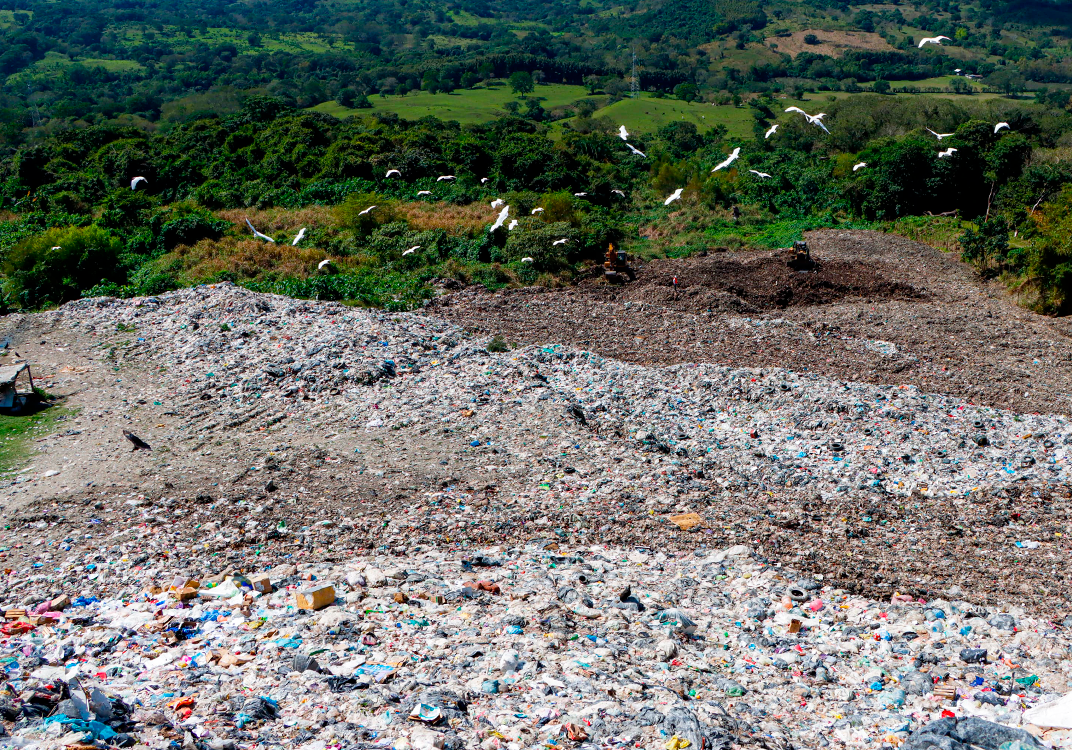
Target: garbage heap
x,y
524,647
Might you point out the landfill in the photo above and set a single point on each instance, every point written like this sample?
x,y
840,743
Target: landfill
x,y
353,528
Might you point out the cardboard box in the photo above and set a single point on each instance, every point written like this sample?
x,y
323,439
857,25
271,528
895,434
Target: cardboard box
x,y
315,597
262,583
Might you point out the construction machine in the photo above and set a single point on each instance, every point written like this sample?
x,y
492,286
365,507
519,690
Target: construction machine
x,y
616,266
800,257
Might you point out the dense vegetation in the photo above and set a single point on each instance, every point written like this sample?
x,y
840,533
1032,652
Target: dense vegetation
x,y
211,102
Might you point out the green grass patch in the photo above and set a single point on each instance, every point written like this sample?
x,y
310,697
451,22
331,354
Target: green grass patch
x,y
17,435
647,114
467,106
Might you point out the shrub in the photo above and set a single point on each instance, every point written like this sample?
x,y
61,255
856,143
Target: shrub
x,y
56,265
352,213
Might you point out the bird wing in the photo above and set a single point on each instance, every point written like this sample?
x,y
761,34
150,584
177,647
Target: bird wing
x,y
391,172
795,109
501,218
622,132
424,192
673,197
636,150
301,233
323,263
136,180
859,166
817,122
511,225
771,131
1000,126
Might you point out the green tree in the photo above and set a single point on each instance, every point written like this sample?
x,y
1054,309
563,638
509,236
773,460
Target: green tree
x,y
686,92
521,83
881,87
55,266
469,79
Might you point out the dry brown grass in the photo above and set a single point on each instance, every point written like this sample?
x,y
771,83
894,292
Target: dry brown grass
x,y
8,216
271,220
831,43
245,258
463,220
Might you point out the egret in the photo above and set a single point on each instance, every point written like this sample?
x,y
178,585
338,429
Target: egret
x,y
258,234
729,160
858,167
502,217
498,202
939,136
527,260
391,172
362,213
673,197
57,247
579,195
412,250
483,180
1001,126
947,152
618,192
933,40
301,233
512,225
136,180
562,241
772,131
812,119
538,210
623,133
423,192
636,151
764,175
441,178
321,264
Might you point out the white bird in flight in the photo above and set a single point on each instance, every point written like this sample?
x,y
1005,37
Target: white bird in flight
x,y
362,213
636,150
301,233
321,264
57,247
391,172
618,192
623,133
136,180
444,177
933,40
502,217
424,192
772,131
858,167
498,202
939,136
527,260
812,119
947,152
258,234
579,195
729,160
512,225
764,175
1001,126
562,241
412,250
483,180
538,210
673,197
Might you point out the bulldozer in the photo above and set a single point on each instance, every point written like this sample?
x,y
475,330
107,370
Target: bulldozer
x,y
800,257
616,267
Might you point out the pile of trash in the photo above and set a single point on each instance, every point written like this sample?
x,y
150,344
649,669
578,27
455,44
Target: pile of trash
x,y
251,360
523,647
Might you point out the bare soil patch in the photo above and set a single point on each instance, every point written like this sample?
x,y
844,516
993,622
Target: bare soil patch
x,y
832,43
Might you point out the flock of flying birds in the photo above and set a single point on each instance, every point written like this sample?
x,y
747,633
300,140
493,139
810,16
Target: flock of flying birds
x,y
504,214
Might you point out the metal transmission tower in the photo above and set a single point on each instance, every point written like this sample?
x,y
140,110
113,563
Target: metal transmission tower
x,y
634,82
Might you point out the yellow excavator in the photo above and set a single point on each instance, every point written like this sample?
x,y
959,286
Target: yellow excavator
x,y
616,267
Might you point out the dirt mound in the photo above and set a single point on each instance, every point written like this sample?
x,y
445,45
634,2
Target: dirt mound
x,y
879,309
729,282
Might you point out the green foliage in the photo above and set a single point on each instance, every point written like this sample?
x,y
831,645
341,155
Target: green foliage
x,y
364,212
56,265
521,83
